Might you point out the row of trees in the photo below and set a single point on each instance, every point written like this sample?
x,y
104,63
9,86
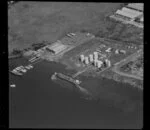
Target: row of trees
x,y
16,51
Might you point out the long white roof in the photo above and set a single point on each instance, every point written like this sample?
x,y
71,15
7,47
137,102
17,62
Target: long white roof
x,y
138,6
126,14
131,11
59,48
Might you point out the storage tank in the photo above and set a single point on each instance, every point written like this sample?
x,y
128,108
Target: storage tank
x,y
91,58
108,62
99,64
95,55
82,58
95,63
86,60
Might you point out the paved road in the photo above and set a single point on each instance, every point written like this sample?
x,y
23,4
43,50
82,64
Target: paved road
x,y
124,61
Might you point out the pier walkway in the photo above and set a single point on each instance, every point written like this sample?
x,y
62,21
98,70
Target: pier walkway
x,y
80,72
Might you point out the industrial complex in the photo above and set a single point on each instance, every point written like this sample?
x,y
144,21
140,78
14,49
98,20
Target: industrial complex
x,y
131,14
84,52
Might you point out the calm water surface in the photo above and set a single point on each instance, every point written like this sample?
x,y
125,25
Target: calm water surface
x,y
39,102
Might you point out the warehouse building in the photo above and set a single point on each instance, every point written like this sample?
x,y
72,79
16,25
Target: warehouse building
x,y
136,6
128,14
56,47
133,13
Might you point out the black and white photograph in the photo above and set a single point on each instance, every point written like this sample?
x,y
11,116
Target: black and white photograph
x,y
75,65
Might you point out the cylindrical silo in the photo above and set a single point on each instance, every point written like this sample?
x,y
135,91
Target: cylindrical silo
x,y
82,58
95,62
99,64
86,60
95,55
91,58
108,63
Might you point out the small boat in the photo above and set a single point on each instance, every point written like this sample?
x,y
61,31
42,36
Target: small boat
x,y
27,67
18,68
30,66
23,70
13,85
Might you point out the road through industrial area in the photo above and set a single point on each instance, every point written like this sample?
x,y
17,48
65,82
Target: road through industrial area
x,y
124,61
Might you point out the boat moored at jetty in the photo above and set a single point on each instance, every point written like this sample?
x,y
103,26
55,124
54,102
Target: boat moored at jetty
x,y
65,77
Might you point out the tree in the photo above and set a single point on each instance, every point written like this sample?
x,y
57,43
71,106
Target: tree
x,y
16,52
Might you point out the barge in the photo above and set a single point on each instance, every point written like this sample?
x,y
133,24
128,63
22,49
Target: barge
x,y
65,77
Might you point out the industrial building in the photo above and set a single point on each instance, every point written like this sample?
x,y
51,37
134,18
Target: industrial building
x,y
128,13
56,47
136,6
131,14
95,60
72,39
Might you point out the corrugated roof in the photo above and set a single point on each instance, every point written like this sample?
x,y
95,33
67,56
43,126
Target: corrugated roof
x,y
126,14
132,11
138,6
59,49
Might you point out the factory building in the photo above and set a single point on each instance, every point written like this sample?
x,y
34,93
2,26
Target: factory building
x,y
136,6
56,47
128,14
133,13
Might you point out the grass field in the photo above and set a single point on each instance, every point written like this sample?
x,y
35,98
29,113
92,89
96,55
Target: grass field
x,y
31,22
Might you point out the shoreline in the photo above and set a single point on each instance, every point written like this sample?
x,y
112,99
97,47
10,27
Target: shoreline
x,y
14,56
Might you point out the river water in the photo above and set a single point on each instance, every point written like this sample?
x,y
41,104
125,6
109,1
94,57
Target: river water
x,y
38,102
